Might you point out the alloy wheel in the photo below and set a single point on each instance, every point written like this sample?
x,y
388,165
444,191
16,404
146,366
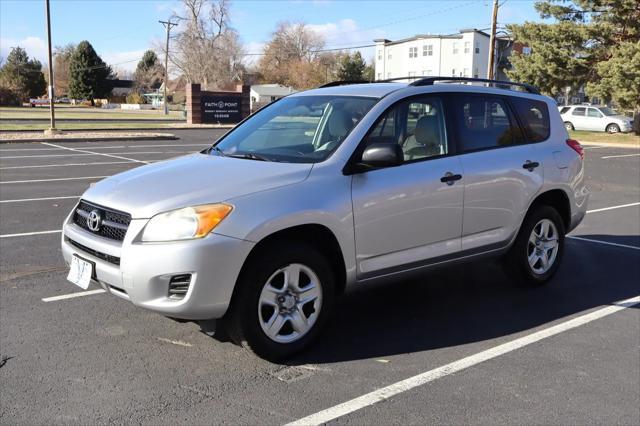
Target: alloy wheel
x,y
542,248
290,303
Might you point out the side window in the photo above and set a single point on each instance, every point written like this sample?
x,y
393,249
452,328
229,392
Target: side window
x,y
534,116
418,126
592,112
579,111
484,123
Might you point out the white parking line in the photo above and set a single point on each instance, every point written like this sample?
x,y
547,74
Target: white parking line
x,y
106,147
23,200
92,152
53,180
390,391
595,147
65,165
57,149
607,243
73,295
613,207
26,234
620,156
86,154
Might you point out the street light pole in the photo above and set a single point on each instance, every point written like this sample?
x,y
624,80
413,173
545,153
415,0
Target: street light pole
x,y
168,25
51,91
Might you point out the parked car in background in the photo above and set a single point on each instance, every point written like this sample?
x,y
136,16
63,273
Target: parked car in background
x,y
330,189
595,118
33,102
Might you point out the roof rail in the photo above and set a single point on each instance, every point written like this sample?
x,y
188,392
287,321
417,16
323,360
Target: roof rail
x,y
429,81
343,83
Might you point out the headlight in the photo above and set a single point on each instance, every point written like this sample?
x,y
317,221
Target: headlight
x,y
186,223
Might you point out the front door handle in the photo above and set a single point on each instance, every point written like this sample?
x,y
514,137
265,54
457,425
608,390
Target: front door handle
x,y
530,165
449,178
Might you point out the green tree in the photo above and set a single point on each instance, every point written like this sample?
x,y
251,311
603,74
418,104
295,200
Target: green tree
x,y
149,72
567,52
88,74
22,76
352,67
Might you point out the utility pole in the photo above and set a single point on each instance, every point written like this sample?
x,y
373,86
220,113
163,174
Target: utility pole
x,y
168,25
492,41
52,127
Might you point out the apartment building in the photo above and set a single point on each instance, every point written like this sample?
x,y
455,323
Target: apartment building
x,y
462,55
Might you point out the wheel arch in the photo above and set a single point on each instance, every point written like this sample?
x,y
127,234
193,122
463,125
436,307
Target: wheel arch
x,y
556,198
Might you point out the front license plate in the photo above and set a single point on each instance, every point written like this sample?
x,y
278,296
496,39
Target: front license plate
x,y
81,272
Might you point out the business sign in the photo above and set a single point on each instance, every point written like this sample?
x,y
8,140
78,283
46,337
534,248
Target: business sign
x,y
221,109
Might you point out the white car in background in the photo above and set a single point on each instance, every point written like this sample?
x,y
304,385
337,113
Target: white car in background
x,y
594,118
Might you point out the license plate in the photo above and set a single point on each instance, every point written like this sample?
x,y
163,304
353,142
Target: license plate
x,y
81,272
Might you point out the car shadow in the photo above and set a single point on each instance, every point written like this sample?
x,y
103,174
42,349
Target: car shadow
x,y
472,303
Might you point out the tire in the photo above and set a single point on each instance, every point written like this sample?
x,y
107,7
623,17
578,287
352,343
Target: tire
x,y
613,128
248,317
569,126
528,253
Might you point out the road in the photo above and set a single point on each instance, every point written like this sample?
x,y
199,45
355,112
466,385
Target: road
x,y
471,346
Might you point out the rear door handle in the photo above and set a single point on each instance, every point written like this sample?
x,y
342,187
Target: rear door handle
x,y
530,165
449,178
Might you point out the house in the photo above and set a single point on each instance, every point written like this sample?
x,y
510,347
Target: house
x,y
264,94
465,54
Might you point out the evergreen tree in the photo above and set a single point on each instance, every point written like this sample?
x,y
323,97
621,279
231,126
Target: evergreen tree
x,y
22,76
352,67
149,72
88,74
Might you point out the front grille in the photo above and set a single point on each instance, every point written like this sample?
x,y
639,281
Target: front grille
x,y
179,285
114,224
106,257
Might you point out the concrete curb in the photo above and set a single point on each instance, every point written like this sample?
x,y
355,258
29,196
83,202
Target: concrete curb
x,y
129,129
611,145
94,139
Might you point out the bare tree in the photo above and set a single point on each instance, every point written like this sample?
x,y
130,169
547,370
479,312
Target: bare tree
x,y
205,48
61,62
293,57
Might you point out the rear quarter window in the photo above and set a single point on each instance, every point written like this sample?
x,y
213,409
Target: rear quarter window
x,y
534,116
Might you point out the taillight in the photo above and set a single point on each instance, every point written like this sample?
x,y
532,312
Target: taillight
x,y
575,145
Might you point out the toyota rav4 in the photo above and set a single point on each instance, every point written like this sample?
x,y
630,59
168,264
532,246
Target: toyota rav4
x,y
330,189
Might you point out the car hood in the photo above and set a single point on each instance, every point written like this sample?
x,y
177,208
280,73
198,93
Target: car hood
x,y
620,117
190,180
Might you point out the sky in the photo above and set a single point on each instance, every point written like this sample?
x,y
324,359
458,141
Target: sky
x,y
121,30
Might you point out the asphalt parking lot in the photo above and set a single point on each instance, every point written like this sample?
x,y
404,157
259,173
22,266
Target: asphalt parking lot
x,y
456,346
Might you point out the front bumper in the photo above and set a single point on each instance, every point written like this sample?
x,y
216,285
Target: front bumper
x,y
144,272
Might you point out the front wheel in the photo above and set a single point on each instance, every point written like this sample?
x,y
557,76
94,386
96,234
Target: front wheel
x,y
284,297
539,247
613,128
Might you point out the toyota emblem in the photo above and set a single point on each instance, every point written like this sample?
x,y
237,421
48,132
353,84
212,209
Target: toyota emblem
x,y
94,220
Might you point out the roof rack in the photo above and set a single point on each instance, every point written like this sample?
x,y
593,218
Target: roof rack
x,y
429,81
343,83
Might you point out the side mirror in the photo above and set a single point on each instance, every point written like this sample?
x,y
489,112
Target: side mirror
x,y
382,155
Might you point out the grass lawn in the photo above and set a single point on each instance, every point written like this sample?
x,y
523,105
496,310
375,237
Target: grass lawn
x,y
604,138
8,113
84,125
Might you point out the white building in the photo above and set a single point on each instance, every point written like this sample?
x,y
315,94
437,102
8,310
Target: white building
x,y
462,55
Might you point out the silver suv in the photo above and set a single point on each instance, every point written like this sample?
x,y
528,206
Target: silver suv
x,y
595,118
330,189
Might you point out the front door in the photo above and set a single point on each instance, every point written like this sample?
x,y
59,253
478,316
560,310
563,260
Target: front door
x,y
405,216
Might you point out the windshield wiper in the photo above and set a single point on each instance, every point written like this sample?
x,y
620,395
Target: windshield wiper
x,y
218,150
249,156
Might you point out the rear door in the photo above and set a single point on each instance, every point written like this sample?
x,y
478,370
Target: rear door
x,y
501,172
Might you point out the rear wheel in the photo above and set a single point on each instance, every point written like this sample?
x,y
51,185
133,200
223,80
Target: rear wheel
x,y
283,298
538,249
569,126
613,128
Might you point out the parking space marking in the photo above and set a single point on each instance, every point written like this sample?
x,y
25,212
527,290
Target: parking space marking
x,y
106,147
595,147
57,149
53,179
73,295
620,156
607,243
394,389
84,154
24,200
613,207
66,165
92,152
26,234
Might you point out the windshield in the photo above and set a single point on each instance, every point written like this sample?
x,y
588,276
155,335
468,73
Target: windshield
x,y
300,129
609,111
